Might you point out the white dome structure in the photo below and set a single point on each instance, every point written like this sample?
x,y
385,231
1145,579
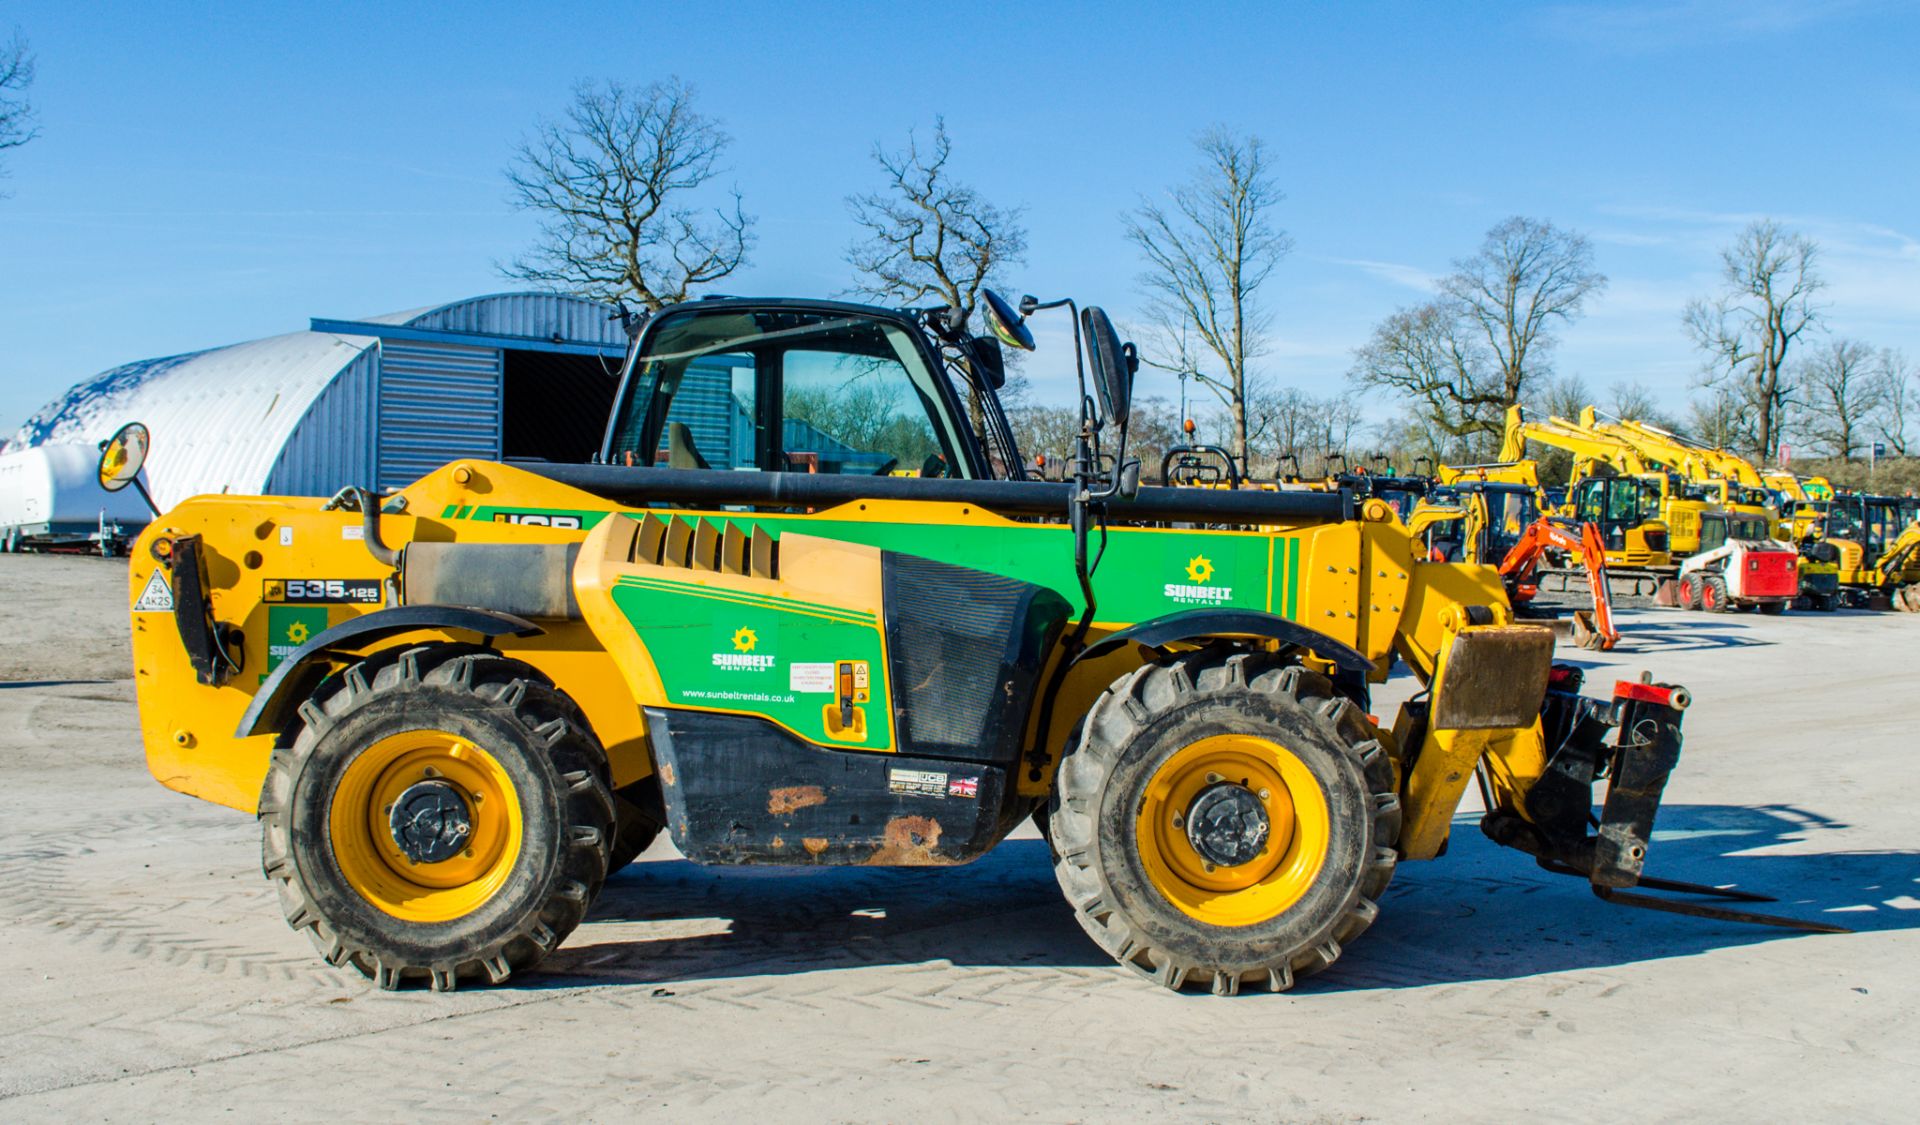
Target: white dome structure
x,y
378,401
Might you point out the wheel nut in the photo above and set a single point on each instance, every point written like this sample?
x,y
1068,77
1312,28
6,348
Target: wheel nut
x,y
1264,795
1179,821
1213,779
1209,868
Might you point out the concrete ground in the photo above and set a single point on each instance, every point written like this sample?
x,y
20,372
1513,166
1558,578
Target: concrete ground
x,y
147,974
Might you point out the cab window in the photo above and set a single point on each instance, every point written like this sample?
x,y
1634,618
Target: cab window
x,y
772,389
855,412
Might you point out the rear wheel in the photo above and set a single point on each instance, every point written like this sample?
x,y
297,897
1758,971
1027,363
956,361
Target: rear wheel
x,y
1773,609
446,816
1713,594
1225,818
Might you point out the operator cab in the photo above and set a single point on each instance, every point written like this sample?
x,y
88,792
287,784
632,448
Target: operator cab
x,y
808,387
1616,505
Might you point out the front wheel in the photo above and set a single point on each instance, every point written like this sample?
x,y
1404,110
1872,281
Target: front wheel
x,y
1225,818
441,816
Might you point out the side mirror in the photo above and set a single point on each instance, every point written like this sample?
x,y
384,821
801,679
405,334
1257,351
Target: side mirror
x,y
1113,365
986,362
122,456
1007,325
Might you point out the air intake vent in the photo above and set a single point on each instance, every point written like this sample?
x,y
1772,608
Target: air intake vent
x,y
717,546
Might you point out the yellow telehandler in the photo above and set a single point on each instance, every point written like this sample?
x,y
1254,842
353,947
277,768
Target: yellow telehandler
x,y
455,708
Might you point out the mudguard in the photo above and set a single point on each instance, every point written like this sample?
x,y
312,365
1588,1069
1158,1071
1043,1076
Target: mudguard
x,y
297,675
1197,624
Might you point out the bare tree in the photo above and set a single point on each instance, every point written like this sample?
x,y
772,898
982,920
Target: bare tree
x,y
1719,419
1209,249
16,113
1528,278
1899,397
926,235
1562,396
612,182
1842,391
1634,402
1431,354
1768,281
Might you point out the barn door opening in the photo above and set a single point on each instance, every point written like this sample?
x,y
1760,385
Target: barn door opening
x,y
554,406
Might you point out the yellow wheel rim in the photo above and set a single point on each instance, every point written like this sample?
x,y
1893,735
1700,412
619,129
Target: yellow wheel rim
x,y
1296,847
373,863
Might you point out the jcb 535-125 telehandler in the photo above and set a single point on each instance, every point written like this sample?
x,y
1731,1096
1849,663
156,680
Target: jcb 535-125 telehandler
x,y
455,708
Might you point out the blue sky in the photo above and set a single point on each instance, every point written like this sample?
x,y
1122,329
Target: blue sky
x,y
212,174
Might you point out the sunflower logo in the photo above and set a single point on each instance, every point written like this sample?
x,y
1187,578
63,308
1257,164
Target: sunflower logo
x,y
297,632
1199,569
744,640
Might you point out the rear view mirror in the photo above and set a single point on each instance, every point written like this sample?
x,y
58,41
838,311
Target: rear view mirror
x,y
122,456
1007,325
1113,365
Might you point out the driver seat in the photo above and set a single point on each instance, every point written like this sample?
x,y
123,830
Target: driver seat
x,y
681,452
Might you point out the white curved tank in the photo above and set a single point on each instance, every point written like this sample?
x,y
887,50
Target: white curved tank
x,y
50,495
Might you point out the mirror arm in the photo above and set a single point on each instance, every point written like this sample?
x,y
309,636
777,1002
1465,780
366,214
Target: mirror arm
x,y
141,488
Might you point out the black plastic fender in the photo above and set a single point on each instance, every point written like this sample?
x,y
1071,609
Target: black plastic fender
x,y
1197,624
296,676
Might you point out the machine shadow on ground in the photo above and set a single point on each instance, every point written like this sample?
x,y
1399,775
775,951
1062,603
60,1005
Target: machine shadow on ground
x,y
1480,913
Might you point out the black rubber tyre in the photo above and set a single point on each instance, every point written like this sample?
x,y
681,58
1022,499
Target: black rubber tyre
x,y
639,814
1689,593
1773,609
1143,720
559,776
1713,594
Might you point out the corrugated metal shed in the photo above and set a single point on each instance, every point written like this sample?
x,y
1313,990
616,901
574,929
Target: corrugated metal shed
x,y
221,418
551,317
438,402
375,401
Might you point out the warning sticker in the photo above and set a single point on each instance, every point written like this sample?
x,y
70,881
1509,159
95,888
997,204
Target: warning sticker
x,y
156,598
917,783
810,677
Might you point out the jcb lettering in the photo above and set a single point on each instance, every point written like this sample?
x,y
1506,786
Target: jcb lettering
x,y
538,519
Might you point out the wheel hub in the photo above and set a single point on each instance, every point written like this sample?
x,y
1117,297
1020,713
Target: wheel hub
x,y
430,821
1227,825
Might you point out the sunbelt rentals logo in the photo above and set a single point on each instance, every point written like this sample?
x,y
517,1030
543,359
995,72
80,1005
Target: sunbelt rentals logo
x,y
1198,589
743,658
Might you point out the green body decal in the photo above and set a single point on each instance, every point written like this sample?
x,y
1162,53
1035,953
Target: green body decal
x,y
1144,573
728,650
289,627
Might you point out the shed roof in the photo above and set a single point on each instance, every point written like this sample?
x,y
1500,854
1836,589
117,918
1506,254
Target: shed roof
x,y
219,417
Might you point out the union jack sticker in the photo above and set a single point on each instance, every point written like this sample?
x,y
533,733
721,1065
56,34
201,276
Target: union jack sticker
x,y
968,787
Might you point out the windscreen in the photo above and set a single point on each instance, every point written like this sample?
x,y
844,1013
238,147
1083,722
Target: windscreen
x,y
801,391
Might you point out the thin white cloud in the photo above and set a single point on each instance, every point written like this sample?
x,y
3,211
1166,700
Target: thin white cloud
x,y
1399,273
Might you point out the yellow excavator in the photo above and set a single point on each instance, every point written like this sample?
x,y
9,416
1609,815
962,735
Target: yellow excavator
x,y
1643,516
1875,541
1720,478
